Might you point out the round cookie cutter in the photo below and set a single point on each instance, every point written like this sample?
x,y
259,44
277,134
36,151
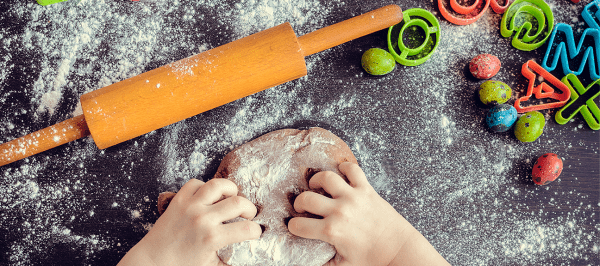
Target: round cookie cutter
x,y
520,15
420,18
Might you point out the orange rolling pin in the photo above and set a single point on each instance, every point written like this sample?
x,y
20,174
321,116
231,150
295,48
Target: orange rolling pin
x,y
190,86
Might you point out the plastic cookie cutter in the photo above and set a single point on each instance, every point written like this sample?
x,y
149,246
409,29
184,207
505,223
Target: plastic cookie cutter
x,y
49,2
588,49
591,14
542,91
415,20
497,7
530,21
582,101
464,15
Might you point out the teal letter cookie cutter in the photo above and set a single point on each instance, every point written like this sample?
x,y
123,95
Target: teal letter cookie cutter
x,y
414,17
586,105
49,2
520,14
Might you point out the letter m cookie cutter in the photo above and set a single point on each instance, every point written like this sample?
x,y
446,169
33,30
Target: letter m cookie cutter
x,y
566,50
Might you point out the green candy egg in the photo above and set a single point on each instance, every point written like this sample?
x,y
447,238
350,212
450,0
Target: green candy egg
x,y
530,126
378,62
493,92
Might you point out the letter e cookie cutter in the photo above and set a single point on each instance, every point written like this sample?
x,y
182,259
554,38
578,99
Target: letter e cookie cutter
x,y
582,101
414,18
530,22
543,90
454,12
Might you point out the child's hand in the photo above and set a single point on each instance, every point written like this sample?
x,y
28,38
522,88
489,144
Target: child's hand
x,y
363,227
191,230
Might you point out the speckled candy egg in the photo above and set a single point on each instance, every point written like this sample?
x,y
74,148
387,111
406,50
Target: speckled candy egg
x,y
484,66
530,126
378,62
493,92
546,169
501,117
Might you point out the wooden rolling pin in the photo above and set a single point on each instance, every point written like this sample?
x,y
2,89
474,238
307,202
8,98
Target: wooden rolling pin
x,y
190,86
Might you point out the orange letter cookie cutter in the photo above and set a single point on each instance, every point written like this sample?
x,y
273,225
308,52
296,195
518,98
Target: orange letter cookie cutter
x,y
464,15
542,91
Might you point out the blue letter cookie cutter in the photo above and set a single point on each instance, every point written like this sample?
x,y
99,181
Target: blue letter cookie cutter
x,y
414,17
591,14
566,50
519,17
586,105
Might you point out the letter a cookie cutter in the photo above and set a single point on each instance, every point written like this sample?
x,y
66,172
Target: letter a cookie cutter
x,y
566,50
582,101
518,19
419,18
464,15
543,90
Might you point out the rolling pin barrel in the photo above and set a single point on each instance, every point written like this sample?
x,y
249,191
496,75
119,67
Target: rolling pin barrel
x,y
171,93
190,86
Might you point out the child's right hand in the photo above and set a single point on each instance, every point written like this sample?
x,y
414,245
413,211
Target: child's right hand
x,y
192,230
364,228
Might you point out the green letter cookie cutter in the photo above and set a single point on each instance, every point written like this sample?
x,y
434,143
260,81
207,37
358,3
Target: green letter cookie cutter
x,y
49,2
414,56
520,14
588,110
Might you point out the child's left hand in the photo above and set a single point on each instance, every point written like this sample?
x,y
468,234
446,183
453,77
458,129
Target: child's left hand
x,y
191,230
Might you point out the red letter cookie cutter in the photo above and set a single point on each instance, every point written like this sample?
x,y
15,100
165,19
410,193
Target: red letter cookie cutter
x,y
586,105
464,15
543,90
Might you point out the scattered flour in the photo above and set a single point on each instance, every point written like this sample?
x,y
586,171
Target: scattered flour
x,y
464,188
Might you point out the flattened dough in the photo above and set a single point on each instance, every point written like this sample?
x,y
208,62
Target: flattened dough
x,y
270,171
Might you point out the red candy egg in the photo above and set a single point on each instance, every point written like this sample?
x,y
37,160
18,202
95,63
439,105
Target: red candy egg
x,y
546,169
484,66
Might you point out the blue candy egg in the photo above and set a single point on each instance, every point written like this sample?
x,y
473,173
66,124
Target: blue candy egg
x,y
501,117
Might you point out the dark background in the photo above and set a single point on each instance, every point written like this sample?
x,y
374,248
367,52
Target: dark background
x,y
419,133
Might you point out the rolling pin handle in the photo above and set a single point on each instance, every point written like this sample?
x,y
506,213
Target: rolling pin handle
x,y
350,29
42,140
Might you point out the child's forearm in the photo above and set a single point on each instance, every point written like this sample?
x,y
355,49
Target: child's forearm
x,y
416,250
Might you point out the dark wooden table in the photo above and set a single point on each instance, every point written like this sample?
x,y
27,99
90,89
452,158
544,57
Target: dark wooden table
x,y
419,132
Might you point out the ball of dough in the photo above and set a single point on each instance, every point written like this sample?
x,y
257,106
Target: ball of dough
x,y
270,171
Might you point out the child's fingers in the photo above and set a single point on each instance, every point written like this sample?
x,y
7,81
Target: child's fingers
x,y
355,175
308,228
314,203
238,232
214,189
233,207
190,187
331,182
